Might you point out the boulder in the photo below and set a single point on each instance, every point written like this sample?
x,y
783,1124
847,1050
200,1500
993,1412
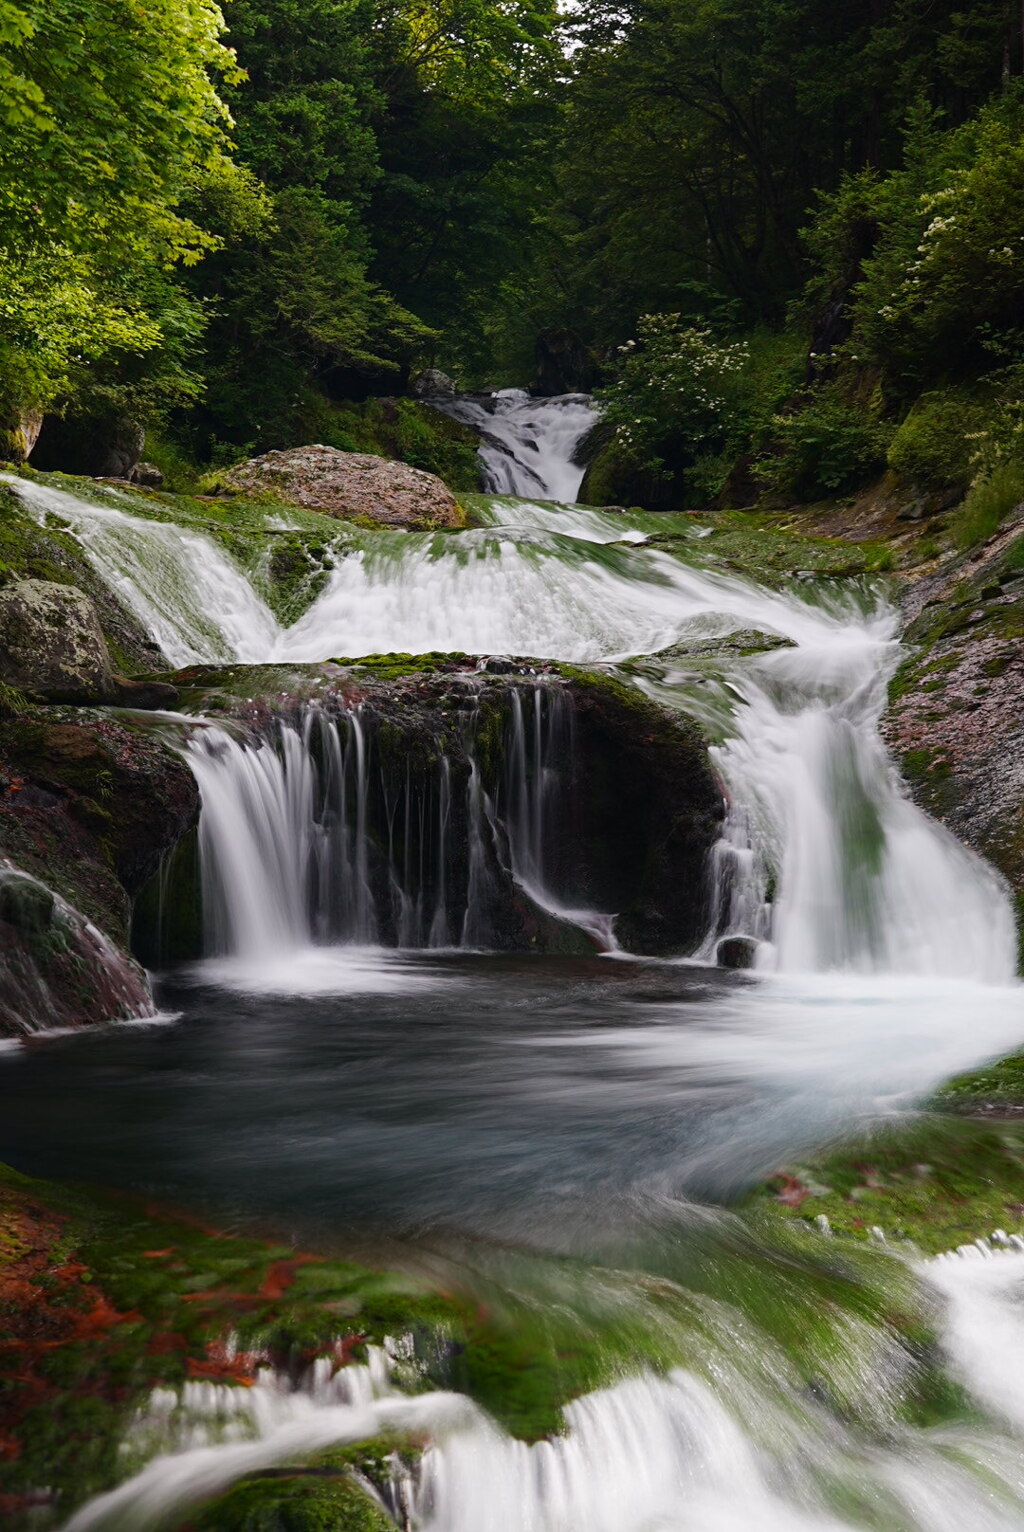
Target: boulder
x,y
432,383
52,645
19,430
148,475
351,486
57,970
737,952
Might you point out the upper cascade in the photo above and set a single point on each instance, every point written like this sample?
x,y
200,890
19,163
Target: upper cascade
x,y
528,446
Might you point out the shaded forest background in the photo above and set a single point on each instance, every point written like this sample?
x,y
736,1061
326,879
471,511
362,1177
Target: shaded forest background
x,y
784,238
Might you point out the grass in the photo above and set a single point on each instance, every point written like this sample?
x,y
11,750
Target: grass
x,y
989,501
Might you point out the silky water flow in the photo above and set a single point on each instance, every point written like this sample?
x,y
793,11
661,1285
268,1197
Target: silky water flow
x,y
886,963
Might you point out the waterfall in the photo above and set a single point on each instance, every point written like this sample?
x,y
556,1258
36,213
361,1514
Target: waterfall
x,y
316,836
864,882
187,594
823,852
528,446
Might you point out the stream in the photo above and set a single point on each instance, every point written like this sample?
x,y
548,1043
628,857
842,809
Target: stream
x,y
569,1132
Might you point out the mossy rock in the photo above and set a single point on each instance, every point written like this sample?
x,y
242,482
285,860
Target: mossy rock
x,y
293,1501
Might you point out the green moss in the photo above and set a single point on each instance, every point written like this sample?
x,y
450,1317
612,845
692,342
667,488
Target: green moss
x,y
933,447
293,1502
939,1181
997,1087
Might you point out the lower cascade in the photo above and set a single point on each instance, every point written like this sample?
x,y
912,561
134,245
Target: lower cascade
x,y
327,833
434,798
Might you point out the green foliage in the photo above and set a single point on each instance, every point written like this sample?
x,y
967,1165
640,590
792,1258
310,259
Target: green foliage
x,y
827,445
989,501
935,445
674,387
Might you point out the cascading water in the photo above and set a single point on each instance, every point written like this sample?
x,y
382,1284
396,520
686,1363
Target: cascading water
x,y
645,1452
193,601
312,837
870,909
528,446
860,879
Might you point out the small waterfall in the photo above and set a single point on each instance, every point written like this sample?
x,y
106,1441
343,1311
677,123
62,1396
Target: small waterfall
x,y
56,968
528,446
325,833
861,880
188,595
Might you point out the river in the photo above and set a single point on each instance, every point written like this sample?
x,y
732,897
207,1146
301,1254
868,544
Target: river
x,y
502,1115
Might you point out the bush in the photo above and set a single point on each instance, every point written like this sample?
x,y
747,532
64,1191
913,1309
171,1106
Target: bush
x,y
935,446
676,396
827,447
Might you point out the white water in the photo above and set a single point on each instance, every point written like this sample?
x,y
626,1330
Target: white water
x,y
864,882
528,446
186,592
295,885
732,1443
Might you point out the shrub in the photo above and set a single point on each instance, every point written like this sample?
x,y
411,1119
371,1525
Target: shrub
x,y
676,395
935,446
828,446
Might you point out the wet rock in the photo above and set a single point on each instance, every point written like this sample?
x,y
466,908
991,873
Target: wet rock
x,y
737,952
151,696
56,968
88,811
51,643
433,384
351,486
631,805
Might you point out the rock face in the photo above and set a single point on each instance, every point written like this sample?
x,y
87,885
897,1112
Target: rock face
x,y
88,809
956,716
19,431
351,486
51,643
57,969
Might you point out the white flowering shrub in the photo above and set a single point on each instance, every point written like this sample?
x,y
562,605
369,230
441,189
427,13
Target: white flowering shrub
x,y
677,397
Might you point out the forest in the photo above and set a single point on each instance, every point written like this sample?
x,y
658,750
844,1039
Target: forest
x,y
783,238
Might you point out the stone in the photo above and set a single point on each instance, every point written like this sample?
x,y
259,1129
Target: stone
x,y
100,446
148,475
737,952
432,383
152,696
351,486
52,645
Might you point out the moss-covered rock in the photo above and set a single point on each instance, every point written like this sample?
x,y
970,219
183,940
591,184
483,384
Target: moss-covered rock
x,y
311,1501
957,703
89,807
937,1181
51,643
